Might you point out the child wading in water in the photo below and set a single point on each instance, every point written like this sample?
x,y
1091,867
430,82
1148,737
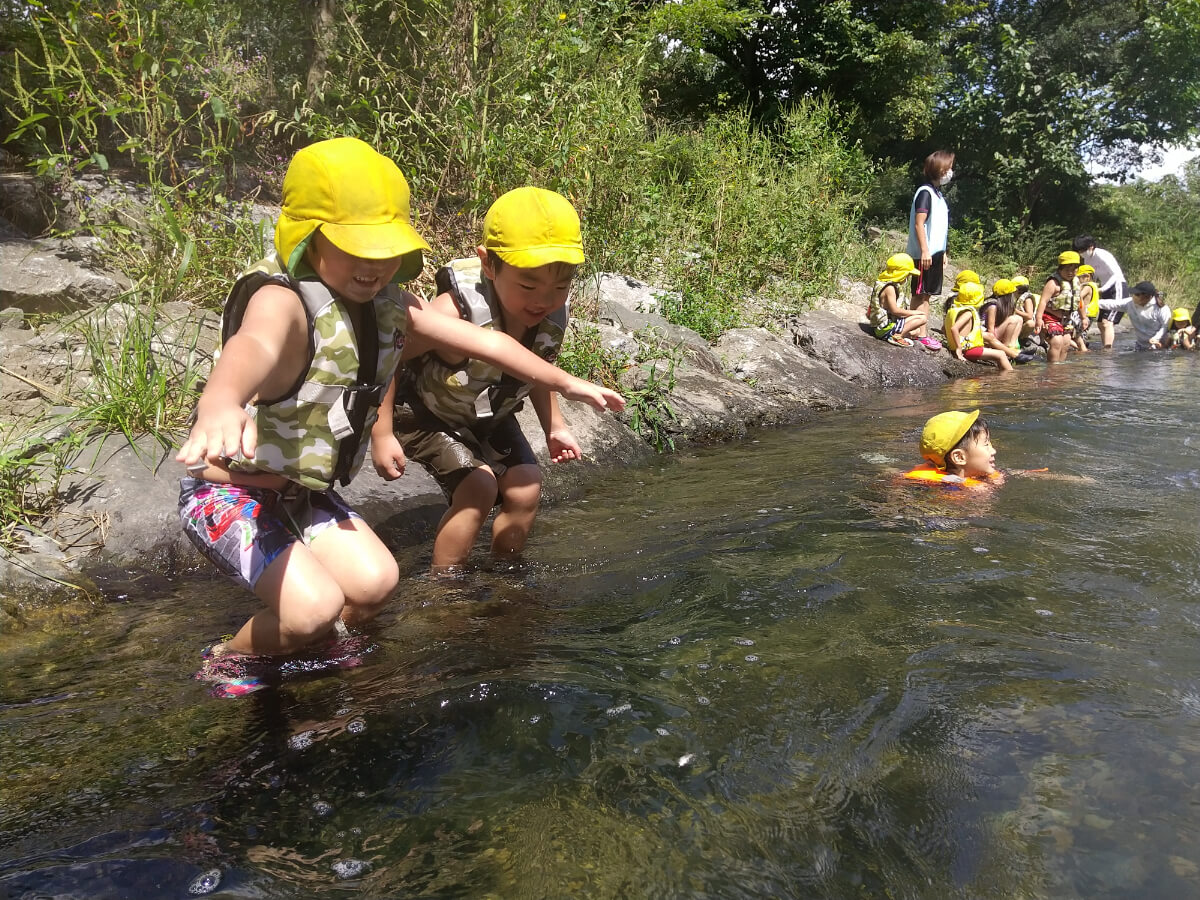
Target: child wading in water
x,y
308,348
1182,335
888,312
455,409
1059,298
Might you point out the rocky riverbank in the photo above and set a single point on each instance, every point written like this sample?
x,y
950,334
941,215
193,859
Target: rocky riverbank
x,y
118,515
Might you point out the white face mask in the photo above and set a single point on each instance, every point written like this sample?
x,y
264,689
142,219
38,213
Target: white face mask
x,y
945,179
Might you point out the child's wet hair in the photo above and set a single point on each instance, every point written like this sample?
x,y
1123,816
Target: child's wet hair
x,y
559,271
977,432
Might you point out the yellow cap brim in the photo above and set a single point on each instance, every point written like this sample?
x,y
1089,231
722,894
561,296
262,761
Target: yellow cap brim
x,y
383,241
541,256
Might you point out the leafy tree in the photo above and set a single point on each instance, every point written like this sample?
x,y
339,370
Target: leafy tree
x,y
1037,89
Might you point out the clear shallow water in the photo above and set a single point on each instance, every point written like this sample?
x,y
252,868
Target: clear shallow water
x,y
765,669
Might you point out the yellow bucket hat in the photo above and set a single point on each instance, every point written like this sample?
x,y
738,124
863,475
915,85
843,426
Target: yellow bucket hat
x,y
1069,258
530,227
966,276
899,266
359,200
942,432
1004,286
970,294
1181,315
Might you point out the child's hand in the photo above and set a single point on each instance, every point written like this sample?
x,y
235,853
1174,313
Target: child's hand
x,y
600,397
225,433
562,446
387,456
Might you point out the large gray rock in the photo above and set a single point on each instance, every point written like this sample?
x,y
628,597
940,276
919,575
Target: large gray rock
x,y
863,359
37,278
776,367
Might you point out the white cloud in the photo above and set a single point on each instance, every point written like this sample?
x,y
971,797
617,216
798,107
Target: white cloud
x,y
1172,163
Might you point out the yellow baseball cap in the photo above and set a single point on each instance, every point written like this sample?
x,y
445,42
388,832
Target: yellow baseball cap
x,y
359,200
1069,258
1181,315
1004,286
1020,281
530,227
899,266
966,276
970,294
1085,269
942,432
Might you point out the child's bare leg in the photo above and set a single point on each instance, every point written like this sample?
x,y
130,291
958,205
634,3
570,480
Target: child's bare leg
x,y
914,323
1056,351
362,566
1009,332
999,357
304,603
469,507
521,489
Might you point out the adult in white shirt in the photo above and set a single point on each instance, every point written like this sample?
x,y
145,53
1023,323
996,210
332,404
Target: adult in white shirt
x,y
1114,290
928,234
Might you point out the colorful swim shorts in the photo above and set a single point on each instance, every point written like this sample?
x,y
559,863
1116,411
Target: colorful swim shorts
x,y
243,529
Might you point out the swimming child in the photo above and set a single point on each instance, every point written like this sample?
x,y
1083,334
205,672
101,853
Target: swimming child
x,y
455,409
964,330
957,448
1053,318
1182,335
888,312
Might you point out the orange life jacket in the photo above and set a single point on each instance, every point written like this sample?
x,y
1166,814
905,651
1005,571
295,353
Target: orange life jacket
x,y
929,474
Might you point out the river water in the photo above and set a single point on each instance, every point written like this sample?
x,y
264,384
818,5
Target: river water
x,y
767,669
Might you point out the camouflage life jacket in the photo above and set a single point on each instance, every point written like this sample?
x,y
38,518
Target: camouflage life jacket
x,y
1061,305
314,434
475,393
877,313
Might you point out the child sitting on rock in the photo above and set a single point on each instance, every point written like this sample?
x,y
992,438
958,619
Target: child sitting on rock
x,y
964,330
888,313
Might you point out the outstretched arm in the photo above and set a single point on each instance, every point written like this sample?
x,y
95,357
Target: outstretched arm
x,y
263,359
430,328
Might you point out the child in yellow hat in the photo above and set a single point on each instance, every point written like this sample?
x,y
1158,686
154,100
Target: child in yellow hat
x,y
964,330
309,348
1182,334
957,449
454,407
1058,301
1002,323
888,312
1087,306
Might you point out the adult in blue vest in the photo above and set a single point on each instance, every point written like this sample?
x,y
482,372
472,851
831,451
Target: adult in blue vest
x,y
928,231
